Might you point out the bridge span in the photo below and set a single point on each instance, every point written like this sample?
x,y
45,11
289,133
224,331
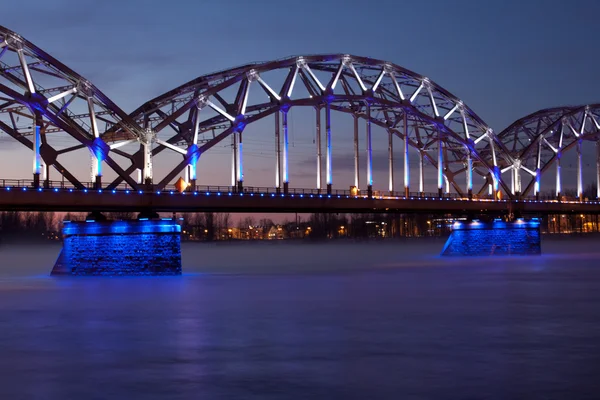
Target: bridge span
x,y
57,114
268,200
43,100
54,112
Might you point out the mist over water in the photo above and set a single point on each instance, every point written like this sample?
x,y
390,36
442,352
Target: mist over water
x,y
281,320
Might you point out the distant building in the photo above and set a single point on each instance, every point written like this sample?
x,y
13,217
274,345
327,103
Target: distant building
x,y
277,232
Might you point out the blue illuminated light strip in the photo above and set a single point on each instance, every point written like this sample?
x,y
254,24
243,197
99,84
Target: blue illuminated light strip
x,y
143,225
520,223
296,194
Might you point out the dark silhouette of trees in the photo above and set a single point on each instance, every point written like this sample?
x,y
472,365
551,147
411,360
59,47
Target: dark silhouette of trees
x,y
27,224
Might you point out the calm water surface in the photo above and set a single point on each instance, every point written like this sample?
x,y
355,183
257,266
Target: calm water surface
x,y
296,321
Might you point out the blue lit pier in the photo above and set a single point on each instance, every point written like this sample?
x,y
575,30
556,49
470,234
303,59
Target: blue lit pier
x,y
494,238
144,247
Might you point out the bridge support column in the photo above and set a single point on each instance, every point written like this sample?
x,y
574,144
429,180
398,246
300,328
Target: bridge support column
x,y
406,165
391,162
37,160
421,173
369,154
469,174
495,181
234,161
277,153
191,174
558,180
147,147
240,164
286,165
46,175
406,159
579,171
318,142
516,174
356,155
96,171
119,248
536,186
440,165
328,140
598,170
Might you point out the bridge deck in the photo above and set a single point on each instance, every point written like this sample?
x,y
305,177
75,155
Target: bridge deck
x,y
59,199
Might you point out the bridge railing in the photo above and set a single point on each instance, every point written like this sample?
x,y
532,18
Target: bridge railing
x,y
27,183
55,185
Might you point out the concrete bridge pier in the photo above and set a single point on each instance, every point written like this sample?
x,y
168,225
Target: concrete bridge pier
x,y
142,247
493,238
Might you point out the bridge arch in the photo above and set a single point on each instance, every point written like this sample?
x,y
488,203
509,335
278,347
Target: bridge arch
x,y
537,142
40,97
406,104
196,116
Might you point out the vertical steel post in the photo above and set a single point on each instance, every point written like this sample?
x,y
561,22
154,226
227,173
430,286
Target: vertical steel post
x,y
517,172
512,180
240,164
94,165
538,172
406,160
277,153
46,175
356,156
37,160
286,178
369,154
469,174
598,170
96,162
421,173
147,146
440,165
234,161
558,180
328,139
579,171
192,175
391,161
318,142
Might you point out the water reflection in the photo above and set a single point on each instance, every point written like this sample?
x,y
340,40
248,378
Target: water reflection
x,y
384,320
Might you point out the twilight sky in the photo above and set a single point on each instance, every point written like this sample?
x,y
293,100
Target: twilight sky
x,y
504,59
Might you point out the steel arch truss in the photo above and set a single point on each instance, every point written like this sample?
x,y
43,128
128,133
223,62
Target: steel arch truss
x,y
43,101
537,142
196,116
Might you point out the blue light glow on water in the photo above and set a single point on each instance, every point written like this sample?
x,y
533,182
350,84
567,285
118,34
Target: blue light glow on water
x,y
351,321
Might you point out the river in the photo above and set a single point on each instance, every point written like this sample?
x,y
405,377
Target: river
x,y
372,320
